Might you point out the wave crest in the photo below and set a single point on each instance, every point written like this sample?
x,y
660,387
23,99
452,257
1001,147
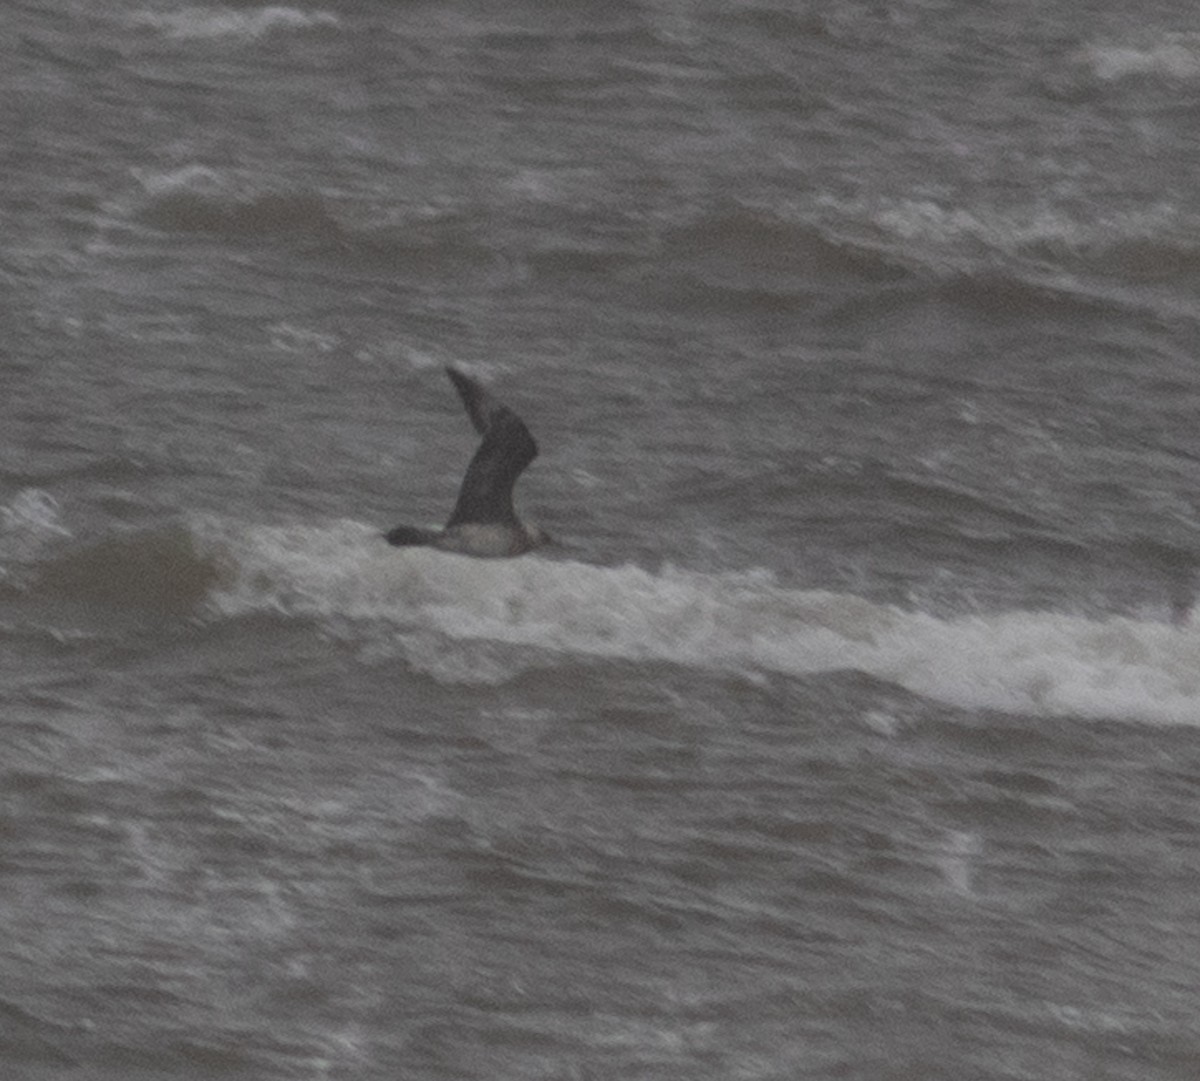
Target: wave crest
x,y
197,199
212,23
1173,56
29,523
464,620
472,621
1156,241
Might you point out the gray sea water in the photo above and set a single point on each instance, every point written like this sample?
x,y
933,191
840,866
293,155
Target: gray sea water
x,y
850,732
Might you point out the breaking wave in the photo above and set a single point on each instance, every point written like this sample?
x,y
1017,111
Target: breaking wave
x,y
214,23
197,199
1174,55
465,620
1156,241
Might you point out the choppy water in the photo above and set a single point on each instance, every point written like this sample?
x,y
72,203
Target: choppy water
x,y
852,730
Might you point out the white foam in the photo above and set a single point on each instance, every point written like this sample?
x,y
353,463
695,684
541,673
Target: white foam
x,y
191,179
27,524
35,510
1012,232
466,620
207,23
957,858
1173,55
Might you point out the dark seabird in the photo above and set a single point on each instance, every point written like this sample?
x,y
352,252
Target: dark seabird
x,y
484,522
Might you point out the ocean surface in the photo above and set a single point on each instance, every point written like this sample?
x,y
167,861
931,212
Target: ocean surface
x,y
851,730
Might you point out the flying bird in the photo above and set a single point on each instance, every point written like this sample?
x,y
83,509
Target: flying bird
x,y
484,522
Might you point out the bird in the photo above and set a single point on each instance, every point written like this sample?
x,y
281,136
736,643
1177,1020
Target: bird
x,y
483,522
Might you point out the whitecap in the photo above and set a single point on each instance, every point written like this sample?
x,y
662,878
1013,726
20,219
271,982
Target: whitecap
x,y
1173,56
469,620
30,521
209,23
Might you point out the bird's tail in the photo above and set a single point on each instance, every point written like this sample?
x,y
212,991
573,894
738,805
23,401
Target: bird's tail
x,y
404,536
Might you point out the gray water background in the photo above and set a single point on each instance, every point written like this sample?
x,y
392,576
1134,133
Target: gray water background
x,y
851,730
